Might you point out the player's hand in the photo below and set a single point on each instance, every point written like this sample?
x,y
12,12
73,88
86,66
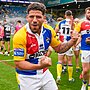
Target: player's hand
x,y
74,46
74,35
88,40
45,62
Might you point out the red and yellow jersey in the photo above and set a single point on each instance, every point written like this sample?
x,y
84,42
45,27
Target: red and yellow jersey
x,y
30,46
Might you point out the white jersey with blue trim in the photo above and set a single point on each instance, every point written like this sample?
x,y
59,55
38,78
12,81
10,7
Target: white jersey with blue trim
x,y
65,29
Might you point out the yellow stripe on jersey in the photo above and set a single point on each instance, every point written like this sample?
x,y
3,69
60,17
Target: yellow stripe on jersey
x,y
78,27
17,78
19,42
57,25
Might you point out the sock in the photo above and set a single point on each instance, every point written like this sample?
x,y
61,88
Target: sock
x,y
5,50
64,66
1,48
88,86
59,69
84,81
77,67
70,71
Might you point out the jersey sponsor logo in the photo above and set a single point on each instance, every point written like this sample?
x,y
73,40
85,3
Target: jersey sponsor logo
x,y
38,54
47,39
41,47
19,52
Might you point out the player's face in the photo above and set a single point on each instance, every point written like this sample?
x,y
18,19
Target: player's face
x,y
88,14
35,19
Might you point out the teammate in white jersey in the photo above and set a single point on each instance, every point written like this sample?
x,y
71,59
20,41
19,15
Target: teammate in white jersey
x,y
64,28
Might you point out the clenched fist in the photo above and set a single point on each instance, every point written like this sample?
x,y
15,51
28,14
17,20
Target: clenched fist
x,y
45,62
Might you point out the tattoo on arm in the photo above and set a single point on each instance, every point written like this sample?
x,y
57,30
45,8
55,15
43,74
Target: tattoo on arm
x,y
64,47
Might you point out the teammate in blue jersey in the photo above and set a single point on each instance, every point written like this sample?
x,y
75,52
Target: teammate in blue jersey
x,y
30,45
84,29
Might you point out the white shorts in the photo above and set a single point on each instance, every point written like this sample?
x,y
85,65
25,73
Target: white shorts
x,y
68,53
85,56
43,81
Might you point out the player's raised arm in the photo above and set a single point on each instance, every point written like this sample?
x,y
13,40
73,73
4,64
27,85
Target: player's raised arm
x,y
65,46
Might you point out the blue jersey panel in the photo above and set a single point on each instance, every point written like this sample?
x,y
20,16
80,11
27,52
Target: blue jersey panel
x,y
47,37
84,46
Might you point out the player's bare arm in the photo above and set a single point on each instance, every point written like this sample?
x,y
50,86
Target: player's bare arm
x,y
78,41
57,29
25,65
63,47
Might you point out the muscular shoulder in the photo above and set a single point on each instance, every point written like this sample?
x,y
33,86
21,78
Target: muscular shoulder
x,y
20,36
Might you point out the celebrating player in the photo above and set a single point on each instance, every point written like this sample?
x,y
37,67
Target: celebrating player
x,y
30,45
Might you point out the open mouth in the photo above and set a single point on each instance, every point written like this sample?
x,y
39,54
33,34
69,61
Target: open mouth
x,y
35,24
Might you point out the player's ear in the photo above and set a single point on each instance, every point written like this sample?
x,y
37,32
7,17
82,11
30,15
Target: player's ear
x,y
44,17
65,16
27,17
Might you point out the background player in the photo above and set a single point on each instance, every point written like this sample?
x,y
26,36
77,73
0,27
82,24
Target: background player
x,y
18,26
84,29
64,28
76,48
6,38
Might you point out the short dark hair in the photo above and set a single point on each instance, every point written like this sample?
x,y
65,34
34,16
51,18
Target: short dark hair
x,y
37,6
68,13
19,21
88,8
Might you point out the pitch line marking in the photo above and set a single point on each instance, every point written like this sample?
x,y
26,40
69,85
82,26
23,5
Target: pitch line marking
x,y
11,50
6,60
6,63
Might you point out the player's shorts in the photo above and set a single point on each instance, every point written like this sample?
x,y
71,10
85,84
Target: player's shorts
x,y
43,81
68,53
6,39
85,56
77,47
